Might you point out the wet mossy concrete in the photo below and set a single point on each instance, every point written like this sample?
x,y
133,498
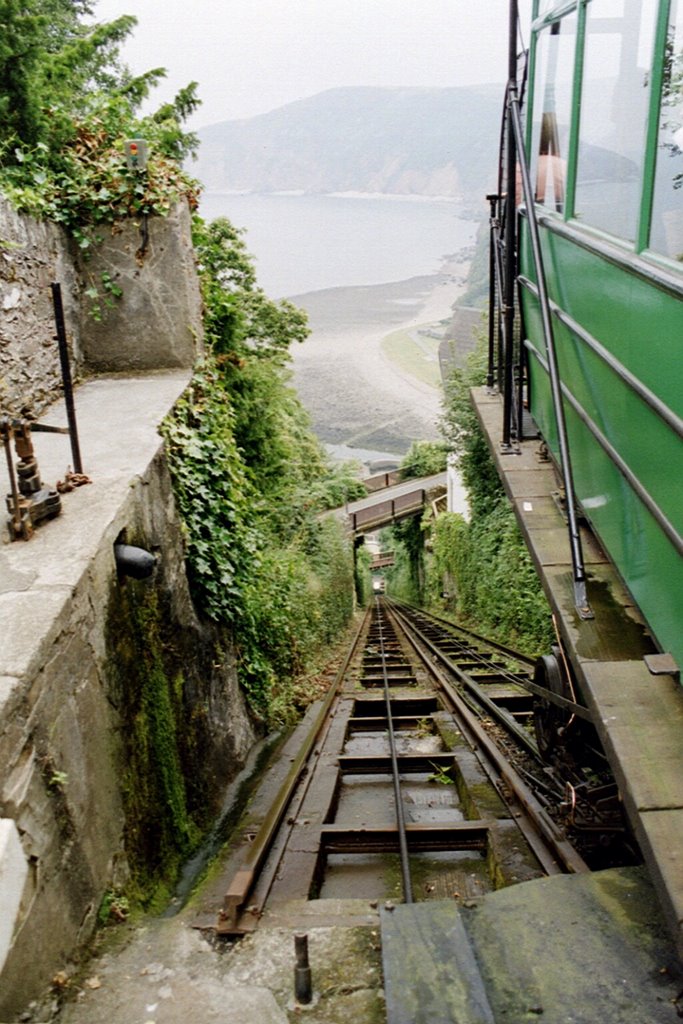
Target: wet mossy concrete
x,y
577,948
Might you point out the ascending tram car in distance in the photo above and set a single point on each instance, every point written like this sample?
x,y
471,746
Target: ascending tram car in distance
x,y
590,256
378,583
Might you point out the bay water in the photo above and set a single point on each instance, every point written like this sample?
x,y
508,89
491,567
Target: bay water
x,y
305,243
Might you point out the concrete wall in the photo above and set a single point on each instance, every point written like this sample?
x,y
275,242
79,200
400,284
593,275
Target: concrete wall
x,y
65,616
158,320
61,719
156,324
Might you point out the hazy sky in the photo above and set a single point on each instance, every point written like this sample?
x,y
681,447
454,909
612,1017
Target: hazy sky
x,y
250,56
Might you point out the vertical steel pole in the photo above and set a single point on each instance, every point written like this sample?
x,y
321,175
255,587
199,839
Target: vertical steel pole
x,y
510,231
66,377
303,982
490,375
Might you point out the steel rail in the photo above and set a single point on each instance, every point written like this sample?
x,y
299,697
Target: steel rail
x,y
469,634
526,684
543,835
245,877
395,776
502,716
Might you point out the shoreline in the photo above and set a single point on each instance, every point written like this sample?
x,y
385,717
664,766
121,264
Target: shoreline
x,y
356,396
408,197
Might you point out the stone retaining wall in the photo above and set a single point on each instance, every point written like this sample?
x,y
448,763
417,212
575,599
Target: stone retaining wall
x,y
156,324
33,254
63,747
158,320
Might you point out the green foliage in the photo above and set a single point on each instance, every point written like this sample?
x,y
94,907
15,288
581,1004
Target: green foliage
x,y
252,482
241,321
213,493
461,429
406,578
66,107
489,582
424,458
483,566
159,829
480,571
114,908
259,558
363,580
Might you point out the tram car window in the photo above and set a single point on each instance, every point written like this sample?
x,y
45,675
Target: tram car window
x,y
615,99
552,111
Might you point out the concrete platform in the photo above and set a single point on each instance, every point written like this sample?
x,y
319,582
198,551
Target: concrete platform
x,y
117,423
53,591
638,715
571,949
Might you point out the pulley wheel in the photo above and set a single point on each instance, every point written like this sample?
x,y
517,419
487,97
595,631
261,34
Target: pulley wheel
x,y
550,719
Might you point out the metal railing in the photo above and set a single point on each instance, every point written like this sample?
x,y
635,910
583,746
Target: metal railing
x,y
505,259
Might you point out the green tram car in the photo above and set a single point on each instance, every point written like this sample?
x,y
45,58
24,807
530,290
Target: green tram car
x,y
585,351
591,255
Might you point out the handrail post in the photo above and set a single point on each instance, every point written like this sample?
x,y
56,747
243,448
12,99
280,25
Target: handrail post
x,y
578,568
493,241
66,376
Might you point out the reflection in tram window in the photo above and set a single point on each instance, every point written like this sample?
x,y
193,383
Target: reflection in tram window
x,y
666,232
551,115
614,108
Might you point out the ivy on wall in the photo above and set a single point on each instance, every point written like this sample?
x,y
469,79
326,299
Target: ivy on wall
x,y
252,484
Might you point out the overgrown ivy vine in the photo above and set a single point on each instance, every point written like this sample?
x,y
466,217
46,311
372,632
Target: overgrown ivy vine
x,y
253,484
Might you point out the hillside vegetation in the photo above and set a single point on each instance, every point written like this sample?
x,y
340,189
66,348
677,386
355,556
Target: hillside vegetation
x,y
265,567
401,141
477,571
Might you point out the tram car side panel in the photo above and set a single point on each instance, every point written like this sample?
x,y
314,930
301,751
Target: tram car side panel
x,y
602,407
618,309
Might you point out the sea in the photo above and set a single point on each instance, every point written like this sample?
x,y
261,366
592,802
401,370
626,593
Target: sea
x,y
306,243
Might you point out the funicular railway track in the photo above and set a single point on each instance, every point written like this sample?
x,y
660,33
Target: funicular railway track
x,y
416,779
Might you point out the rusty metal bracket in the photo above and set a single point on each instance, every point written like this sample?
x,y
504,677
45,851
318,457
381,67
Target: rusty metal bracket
x,y
29,502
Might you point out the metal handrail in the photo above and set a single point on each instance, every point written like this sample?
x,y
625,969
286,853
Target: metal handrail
x,y
512,142
578,568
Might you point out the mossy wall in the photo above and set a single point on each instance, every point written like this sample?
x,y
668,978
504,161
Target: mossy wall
x,y
183,724
115,757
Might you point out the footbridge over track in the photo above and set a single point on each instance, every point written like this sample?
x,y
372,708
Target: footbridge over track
x,y
393,503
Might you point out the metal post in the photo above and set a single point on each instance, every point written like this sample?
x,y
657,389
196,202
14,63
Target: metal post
x,y
493,203
66,377
510,232
303,987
